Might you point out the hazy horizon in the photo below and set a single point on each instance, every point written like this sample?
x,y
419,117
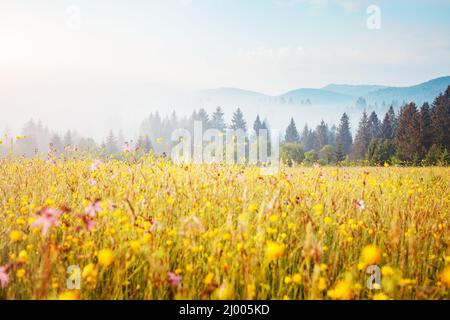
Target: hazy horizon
x,y
97,66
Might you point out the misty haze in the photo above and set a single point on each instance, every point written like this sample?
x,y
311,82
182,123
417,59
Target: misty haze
x,y
238,150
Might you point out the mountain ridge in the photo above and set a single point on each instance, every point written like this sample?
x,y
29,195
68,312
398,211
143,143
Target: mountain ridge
x,y
339,93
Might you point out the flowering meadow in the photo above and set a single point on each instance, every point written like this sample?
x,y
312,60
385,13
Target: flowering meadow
x,y
151,229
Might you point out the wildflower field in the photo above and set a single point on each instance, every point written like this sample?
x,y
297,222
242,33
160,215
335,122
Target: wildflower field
x,y
150,229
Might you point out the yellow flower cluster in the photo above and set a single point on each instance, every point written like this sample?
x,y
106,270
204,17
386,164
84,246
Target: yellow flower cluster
x,y
151,229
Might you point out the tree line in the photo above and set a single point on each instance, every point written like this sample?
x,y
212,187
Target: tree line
x,y
415,135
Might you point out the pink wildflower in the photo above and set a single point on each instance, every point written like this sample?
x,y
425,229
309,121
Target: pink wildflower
x,y
4,278
154,223
96,164
127,147
47,218
93,208
174,280
359,204
89,222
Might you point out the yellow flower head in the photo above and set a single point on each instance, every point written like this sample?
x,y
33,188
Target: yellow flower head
x,y
387,271
21,273
135,245
105,257
445,276
341,291
89,272
297,278
253,207
370,255
318,209
208,279
15,235
23,256
69,295
380,296
225,292
274,250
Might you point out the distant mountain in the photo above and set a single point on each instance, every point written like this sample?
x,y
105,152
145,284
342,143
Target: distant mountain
x,y
235,92
230,96
332,94
424,92
353,90
317,97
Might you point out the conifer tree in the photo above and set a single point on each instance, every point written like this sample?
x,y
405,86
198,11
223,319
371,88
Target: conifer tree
x,y
111,144
147,144
307,139
204,118
374,125
218,121
407,134
362,138
425,129
292,135
56,143
440,120
339,153
321,135
344,136
388,125
238,122
68,140
257,125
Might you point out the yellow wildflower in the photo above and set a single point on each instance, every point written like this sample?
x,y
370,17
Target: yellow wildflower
x,y
105,257
274,250
15,235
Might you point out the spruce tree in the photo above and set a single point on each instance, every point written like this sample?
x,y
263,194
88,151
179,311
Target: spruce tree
x,y
388,125
361,103
204,118
339,152
147,144
266,136
374,125
68,140
257,125
307,138
440,120
332,133
111,144
362,138
321,135
218,121
344,136
238,122
407,135
264,125
56,143
292,135
140,143
425,129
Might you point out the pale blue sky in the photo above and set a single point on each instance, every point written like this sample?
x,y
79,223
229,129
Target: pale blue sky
x,y
270,46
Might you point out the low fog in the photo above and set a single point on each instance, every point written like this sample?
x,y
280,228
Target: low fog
x,y
94,106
